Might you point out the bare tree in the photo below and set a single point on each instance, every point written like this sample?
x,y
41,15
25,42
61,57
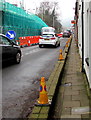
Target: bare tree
x,y
48,13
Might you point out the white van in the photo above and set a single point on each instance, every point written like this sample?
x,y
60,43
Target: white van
x,y
48,37
47,30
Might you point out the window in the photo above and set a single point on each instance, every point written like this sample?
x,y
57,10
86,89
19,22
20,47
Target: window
x,y
48,35
4,41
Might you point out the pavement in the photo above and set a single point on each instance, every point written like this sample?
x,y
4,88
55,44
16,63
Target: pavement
x,y
73,99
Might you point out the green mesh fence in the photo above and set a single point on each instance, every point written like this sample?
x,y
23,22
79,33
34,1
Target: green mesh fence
x,y
20,21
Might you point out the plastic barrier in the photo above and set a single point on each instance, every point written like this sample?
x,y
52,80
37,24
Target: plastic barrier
x,y
29,40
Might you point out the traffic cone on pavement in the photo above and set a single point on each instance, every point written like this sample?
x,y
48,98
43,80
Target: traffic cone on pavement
x,y
61,56
43,97
66,44
68,40
60,51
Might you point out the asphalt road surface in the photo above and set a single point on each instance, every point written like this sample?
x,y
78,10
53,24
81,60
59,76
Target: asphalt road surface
x,y
20,83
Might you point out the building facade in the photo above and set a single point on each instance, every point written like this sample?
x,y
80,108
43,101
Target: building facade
x,y
83,35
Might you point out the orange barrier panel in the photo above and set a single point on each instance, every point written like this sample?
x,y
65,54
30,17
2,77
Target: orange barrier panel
x,y
23,41
29,40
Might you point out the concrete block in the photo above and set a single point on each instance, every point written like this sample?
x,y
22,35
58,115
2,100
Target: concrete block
x,y
33,116
43,116
36,109
52,90
45,110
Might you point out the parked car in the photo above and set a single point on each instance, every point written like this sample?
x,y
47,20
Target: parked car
x,y
69,31
9,50
66,34
60,34
49,37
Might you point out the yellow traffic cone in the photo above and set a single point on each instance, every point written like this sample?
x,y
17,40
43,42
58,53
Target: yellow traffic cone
x,y
61,56
60,51
43,97
66,44
69,40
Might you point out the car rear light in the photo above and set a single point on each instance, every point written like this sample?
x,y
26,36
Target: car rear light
x,y
41,37
53,38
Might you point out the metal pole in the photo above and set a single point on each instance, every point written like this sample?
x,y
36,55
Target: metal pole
x,y
53,21
22,4
42,13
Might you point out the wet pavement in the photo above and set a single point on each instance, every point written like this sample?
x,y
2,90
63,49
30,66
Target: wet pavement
x,y
73,100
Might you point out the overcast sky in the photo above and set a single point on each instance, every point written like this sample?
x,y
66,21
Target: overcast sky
x,y
66,11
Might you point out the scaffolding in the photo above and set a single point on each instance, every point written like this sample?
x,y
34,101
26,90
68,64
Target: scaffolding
x,y
17,19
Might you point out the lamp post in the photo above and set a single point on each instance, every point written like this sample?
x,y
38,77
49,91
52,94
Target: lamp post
x,y
53,21
42,13
53,13
22,4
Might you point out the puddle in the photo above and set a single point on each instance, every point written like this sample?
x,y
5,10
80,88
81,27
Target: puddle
x,y
81,110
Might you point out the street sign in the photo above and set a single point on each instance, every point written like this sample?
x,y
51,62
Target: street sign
x,y
11,34
73,21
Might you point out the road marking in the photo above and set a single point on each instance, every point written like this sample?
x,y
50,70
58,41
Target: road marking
x,y
30,52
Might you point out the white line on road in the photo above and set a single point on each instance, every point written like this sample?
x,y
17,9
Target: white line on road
x,y
30,52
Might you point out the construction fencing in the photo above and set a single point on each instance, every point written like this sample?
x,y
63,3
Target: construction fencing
x,y
28,40
17,19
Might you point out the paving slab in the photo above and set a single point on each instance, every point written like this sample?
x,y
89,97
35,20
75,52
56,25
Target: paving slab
x,y
66,111
72,95
70,92
78,87
70,116
71,104
80,110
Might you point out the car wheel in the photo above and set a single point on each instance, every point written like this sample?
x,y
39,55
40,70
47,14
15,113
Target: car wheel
x,y
18,58
22,46
41,46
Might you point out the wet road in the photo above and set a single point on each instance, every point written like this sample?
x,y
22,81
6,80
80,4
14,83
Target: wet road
x,y
20,83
